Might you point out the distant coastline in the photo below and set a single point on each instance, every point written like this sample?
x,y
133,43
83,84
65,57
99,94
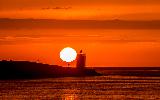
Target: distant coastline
x,y
25,69
130,71
29,70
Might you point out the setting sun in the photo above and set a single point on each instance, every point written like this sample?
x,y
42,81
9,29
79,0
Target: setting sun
x,y
68,54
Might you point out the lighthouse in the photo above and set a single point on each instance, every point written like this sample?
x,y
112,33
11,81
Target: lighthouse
x,y
81,60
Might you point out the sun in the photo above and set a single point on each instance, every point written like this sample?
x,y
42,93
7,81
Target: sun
x,y
68,54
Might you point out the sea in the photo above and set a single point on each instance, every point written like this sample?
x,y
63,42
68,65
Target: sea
x,y
111,87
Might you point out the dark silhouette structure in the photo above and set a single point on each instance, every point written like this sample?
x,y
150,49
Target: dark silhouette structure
x,y
27,70
81,61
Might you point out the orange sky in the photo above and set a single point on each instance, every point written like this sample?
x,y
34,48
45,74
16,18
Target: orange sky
x,y
81,9
104,47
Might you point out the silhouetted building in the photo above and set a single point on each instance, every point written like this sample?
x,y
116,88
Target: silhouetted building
x,y
81,60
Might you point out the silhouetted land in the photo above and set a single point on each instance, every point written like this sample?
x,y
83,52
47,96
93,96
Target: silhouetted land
x,y
29,70
77,24
26,69
129,71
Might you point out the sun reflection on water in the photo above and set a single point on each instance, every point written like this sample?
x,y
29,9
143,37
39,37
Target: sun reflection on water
x,y
71,97
70,94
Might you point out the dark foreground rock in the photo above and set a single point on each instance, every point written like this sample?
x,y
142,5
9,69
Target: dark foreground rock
x,y
28,70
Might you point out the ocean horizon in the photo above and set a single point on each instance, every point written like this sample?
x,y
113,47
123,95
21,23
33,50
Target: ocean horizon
x,y
87,88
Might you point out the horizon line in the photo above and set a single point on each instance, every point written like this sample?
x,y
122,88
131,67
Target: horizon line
x,y
5,18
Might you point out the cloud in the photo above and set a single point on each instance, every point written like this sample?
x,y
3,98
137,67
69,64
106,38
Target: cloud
x,y
57,8
11,40
128,41
26,4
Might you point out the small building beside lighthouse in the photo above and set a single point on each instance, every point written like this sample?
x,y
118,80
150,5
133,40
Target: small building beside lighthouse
x,y
81,60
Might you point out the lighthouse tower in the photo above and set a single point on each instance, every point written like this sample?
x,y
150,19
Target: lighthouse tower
x,y
81,60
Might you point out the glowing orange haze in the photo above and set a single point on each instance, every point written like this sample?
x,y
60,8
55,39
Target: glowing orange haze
x,y
107,48
103,47
109,12
81,9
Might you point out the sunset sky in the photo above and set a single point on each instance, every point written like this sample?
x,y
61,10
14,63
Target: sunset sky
x,y
81,9
104,47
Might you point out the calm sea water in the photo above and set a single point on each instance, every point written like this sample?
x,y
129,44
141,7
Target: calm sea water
x,y
77,88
